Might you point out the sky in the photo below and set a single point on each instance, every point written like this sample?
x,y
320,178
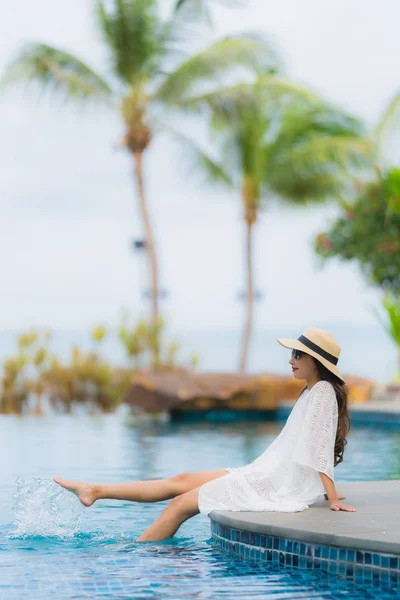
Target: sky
x,y
68,206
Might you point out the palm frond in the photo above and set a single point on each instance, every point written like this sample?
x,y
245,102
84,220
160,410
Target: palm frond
x,y
200,162
182,26
315,169
343,152
235,51
391,321
131,29
195,8
268,94
295,189
389,118
57,71
319,117
180,4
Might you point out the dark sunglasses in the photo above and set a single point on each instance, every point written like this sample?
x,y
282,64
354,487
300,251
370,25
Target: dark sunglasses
x,y
297,354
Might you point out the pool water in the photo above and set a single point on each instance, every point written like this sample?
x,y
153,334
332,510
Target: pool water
x,y
51,547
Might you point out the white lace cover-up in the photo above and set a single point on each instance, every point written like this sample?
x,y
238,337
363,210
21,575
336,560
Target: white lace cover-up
x,y
285,477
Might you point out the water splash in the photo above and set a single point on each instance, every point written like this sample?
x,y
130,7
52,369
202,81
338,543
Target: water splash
x,y
43,508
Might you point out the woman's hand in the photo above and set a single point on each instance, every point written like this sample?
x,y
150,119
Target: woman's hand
x,y
339,496
337,505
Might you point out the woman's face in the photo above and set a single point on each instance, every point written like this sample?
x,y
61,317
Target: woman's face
x,y
303,367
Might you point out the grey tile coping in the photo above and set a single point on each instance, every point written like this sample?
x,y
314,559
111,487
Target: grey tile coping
x,y
375,526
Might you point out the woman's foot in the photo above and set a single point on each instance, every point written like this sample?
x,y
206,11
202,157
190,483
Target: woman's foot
x,y
339,496
85,491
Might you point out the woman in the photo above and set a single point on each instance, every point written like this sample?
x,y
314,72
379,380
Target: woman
x,y
293,472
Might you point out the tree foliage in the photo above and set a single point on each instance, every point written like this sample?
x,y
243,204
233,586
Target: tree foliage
x,y
368,232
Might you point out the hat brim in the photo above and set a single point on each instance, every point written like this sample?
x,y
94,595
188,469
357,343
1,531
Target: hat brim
x,y
296,345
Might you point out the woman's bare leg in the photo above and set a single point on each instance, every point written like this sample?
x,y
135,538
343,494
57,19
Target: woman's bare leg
x,y
154,490
179,510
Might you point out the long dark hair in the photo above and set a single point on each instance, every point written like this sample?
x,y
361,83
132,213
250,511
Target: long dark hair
x,y
342,394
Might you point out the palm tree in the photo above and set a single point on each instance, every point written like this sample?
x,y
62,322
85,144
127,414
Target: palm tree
x,y
148,75
276,139
203,5
388,119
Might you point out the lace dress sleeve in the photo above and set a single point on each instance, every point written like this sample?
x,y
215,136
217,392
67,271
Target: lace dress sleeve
x,y
315,444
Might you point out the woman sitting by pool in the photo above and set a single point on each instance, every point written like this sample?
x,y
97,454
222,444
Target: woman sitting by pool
x,y
292,473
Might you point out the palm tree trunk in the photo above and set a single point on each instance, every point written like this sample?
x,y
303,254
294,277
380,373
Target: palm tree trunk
x,y
150,249
249,297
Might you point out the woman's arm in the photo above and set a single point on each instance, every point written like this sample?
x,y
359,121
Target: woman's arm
x,y
329,487
333,497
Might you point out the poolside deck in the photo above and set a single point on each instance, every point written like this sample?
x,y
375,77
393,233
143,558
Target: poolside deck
x,y
375,526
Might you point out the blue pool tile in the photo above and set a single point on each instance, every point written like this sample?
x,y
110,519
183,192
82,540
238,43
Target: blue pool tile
x,y
385,562
244,537
324,565
342,554
394,577
376,574
325,552
359,572
367,573
349,570
333,567
333,554
282,551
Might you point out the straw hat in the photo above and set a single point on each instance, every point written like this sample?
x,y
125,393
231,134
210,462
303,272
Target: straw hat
x,y
317,343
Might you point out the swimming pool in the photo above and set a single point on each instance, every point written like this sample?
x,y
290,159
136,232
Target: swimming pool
x,y
101,558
